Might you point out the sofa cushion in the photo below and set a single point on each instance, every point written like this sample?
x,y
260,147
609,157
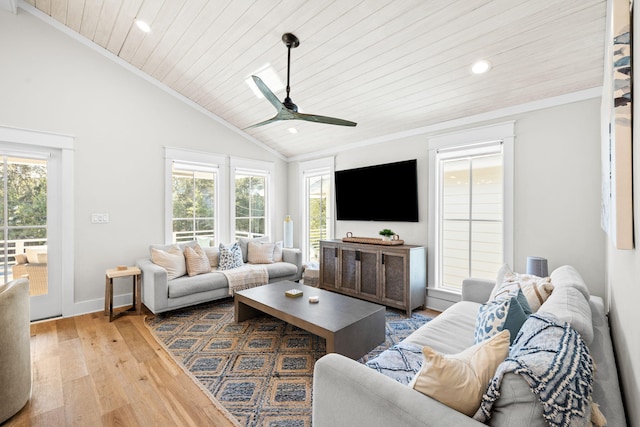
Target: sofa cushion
x,y
536,289
197,261
459,380
517,405
260,252
496,316
568,276
229,257
451,331
569,305
281,269
32,253
185,285
171,260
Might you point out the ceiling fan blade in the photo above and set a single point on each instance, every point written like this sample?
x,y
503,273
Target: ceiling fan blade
x,y
267,93
323,119
266,122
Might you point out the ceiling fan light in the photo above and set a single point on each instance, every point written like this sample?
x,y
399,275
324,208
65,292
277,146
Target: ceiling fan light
x,y
143,26
481,66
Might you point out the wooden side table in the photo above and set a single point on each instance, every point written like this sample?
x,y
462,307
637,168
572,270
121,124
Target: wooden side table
x,y
108,292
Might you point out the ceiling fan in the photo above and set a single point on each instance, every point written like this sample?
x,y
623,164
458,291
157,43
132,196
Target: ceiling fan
x,y
287,110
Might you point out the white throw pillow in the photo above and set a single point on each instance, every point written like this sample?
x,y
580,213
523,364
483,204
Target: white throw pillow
x,y
204,242
213,254
171,260
535,289
277,251
33,252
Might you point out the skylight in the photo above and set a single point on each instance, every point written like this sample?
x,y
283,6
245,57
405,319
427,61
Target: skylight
x,y
268,75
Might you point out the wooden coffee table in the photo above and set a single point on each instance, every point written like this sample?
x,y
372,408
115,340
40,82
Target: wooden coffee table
x,y
352,327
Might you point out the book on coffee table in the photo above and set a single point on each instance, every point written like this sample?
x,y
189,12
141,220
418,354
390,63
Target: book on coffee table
x,y
293,293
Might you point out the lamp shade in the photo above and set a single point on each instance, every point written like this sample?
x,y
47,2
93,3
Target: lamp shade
x,y
537,266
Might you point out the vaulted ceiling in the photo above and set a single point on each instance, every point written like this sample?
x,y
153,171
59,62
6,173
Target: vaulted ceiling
x,y
389,65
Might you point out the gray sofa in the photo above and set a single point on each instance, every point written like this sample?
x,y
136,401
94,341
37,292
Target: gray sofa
x,y
348,393
160,294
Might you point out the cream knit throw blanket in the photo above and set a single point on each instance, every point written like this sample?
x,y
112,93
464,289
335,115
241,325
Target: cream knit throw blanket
x,y
245,277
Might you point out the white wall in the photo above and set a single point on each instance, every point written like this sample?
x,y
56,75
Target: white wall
x,y
557,188
121,124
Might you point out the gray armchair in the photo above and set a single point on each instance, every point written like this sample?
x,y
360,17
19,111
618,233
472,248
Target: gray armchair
x,y
15,348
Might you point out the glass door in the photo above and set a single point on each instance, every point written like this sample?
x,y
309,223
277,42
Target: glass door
x,y
25,250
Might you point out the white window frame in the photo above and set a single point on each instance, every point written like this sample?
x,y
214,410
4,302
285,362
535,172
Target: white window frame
x,y
255,167
308,169
501,132
202,161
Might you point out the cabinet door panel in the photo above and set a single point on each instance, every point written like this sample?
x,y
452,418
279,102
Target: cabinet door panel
x,y
369,273
328,266
348,269
394,276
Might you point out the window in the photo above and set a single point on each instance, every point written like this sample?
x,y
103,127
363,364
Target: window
x,y
194,201
252,197
251,202
317,206
195,190
471,205
470,214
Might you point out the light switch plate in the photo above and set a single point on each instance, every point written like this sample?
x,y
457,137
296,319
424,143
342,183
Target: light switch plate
x,y
99,218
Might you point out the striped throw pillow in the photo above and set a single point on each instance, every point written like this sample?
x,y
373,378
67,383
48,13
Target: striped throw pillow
x,y
197,261
260,252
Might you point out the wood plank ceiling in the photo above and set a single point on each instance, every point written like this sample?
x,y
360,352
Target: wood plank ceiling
x,y
389,65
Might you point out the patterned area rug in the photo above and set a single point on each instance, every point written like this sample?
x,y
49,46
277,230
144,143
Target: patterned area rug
x,y
260,370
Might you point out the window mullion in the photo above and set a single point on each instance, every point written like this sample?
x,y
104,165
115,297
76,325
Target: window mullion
x,y
471,175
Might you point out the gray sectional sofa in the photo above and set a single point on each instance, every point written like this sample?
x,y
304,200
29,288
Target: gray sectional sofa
x,y
348,393
160,294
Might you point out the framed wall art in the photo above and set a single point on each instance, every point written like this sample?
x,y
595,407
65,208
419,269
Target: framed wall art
x,y
617,163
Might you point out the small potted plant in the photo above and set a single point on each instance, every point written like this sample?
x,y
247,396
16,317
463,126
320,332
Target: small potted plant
x,y
386,234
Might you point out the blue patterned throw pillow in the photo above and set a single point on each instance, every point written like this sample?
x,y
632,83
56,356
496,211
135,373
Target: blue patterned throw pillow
x,y
229,257
496,316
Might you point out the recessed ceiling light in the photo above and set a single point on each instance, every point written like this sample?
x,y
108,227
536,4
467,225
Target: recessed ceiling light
x,y
293,130
481,66
143,26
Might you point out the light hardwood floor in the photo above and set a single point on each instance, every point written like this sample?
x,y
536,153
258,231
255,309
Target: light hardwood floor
x,y
89,372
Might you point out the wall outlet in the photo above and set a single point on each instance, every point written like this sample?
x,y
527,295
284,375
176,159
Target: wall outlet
x,y
99,218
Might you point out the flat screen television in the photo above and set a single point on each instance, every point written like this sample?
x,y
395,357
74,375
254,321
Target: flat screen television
x,y
387,192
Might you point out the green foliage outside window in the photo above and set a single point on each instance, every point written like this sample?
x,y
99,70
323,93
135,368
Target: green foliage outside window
x,y
250,205
26,198
193,204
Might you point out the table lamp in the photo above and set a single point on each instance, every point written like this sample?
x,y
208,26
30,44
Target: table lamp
x,y
537,266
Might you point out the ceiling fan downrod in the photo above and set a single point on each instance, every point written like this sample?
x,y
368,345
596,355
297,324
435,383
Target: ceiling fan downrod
x,y
291,41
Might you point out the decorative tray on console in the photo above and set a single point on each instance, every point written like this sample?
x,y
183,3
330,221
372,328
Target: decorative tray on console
x,y
373,240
